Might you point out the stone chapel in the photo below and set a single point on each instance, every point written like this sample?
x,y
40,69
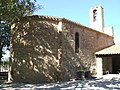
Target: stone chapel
x,y
51,49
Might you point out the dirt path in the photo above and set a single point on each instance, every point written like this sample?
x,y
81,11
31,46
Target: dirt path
x,y
94,84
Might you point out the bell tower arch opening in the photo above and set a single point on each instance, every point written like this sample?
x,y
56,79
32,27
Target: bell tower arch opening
x,y
96,16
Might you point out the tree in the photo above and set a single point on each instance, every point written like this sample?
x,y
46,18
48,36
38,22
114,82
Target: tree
x,y
11,10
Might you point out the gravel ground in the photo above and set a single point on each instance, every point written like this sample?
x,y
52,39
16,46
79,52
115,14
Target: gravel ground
x,y
94,84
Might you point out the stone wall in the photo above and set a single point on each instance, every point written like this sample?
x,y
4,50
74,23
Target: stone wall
x,y
43,49
89,41
34,51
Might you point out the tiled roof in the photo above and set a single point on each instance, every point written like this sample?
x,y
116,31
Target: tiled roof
x,y
44,17
112,50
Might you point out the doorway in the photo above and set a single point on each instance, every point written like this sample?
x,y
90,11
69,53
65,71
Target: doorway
x,y
116,64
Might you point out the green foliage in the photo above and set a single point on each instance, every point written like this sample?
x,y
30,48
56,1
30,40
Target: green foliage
x,y
3,63
14,9
11,10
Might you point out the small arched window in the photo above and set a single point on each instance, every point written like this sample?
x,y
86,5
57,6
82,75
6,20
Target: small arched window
x,y
94,15
76,42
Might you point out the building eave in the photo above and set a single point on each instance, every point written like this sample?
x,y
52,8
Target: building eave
x,y
112,50
85,27
57,19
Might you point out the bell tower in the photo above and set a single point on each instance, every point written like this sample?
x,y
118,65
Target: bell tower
x,y
96,16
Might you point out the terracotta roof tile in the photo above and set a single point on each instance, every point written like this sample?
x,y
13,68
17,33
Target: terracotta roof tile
x,y
44,17
112,50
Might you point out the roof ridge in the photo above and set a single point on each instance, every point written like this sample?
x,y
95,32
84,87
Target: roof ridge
x,y
47,17
68,20
86,27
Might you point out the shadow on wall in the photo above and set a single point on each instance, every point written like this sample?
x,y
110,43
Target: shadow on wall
x,y
71,62
34,53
